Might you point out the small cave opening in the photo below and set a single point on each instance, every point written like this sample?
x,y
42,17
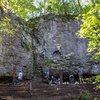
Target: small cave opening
x,y
66,77
76,77
6,79
57,54
9,79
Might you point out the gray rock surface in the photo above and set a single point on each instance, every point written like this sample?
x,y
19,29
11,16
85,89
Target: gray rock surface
x,y
53,38
52,34
12,53
57,40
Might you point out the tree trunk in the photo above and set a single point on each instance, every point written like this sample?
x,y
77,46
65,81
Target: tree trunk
x,y
14,74
64,8
79,4
61,76
93,3
74,3
44,6
34,60
33,56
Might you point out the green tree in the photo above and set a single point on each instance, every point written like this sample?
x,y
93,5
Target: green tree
x,y
31,8
22,8
90,28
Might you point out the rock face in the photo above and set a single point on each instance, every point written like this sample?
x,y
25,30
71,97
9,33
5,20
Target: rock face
x,y
55,39
12,53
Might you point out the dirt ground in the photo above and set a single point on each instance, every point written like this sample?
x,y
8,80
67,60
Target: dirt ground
x,y
42,91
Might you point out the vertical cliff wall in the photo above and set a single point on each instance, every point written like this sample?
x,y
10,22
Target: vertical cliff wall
x,y
12,52
53,34
54,37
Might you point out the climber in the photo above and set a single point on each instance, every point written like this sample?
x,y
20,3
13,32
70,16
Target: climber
x,y
71,78
20,73
80,74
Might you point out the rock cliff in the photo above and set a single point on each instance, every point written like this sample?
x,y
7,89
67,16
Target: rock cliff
x,y
52,37
12,52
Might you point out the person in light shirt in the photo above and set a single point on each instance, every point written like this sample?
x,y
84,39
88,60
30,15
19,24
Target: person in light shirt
x,y
20,73
20,76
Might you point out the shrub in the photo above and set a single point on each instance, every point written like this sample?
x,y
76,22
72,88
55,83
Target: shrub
x,y
85,95
97,79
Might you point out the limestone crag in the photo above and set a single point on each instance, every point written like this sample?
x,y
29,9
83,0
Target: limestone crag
x,y
12,53
53,35
51,38
56,40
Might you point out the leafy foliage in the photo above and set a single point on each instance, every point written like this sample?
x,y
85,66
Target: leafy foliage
x,y
90,29
85,95
5,26
3,4
32,8
22,8
97,79
46,63
26,45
